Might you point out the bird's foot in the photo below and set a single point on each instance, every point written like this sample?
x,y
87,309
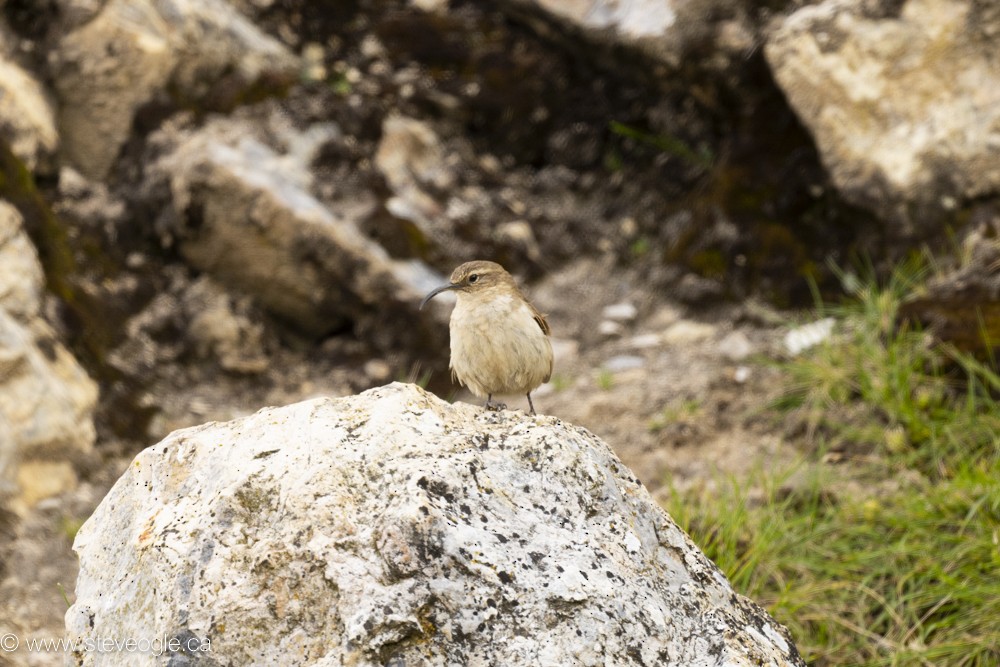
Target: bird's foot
x,y
494,407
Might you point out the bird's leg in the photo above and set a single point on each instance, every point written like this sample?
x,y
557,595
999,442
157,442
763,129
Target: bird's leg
x,y
490,405
530,404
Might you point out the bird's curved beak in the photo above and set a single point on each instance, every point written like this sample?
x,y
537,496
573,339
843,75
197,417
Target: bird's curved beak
x,y
443,288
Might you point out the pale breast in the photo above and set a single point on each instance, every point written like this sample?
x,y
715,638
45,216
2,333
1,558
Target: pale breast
x,y
497,347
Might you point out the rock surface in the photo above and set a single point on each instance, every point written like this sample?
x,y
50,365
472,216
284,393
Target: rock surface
x,y
904,108
46,399
394,528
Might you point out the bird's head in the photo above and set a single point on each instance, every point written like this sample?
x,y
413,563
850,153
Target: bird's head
x,y
473,277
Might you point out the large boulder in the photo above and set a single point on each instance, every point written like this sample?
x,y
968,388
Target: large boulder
x,y
46,399
392,528
131,52
903,100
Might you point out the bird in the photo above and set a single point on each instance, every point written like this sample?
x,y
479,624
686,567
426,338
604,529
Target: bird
x,y
499,342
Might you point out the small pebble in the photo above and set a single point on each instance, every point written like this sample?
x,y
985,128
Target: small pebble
x,y
624,362
609,329
735,346
644,341
620,312
802,338
687,331
377,369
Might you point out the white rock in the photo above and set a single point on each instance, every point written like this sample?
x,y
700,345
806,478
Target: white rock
x,y
394,528
802,338
519,233
610,329
46,400
412,161
219,329
663,317
437,6
620,312
664,30
644,341
378,370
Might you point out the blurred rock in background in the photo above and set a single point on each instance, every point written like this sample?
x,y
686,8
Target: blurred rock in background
x,y
903,100
46,399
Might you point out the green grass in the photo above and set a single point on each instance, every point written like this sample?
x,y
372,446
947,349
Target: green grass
x,y
893,557
561,382
882,386
906,579
605,379
640,246
416,375
665,143
675,412
70,526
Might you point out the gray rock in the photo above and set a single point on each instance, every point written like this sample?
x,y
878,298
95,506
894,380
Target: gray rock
x,y
905,109
394,528
134,50
46,399
220,327
241,210
208,324
735,346
624,362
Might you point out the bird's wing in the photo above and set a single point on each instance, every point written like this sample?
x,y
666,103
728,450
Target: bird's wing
x,y
544,326
540,319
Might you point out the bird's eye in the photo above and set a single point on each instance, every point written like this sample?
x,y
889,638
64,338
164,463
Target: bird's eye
x,y
474,277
